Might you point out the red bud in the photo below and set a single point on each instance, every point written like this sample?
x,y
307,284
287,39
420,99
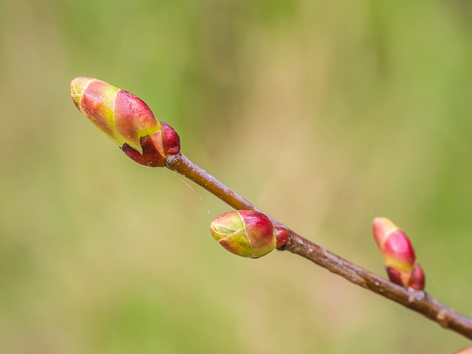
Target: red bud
x,y
126,119
398,254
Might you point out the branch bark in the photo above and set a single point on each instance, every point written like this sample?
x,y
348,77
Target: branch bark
x,y
418,301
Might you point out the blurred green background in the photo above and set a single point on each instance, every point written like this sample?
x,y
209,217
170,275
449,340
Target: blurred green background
x,y
325,114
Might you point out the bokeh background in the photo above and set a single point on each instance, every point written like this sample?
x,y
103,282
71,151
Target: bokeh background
x,y
325,114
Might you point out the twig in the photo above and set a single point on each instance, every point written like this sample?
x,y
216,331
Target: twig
x,y
418,301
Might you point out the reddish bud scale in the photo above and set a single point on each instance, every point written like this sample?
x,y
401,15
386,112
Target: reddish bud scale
x,y
397,248
170,139
153,152
467,350
259,230
417,279
394,275
248,233
282,235
125,119
398,254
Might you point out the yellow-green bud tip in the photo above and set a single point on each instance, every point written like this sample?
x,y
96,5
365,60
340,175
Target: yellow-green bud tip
x,y
77,87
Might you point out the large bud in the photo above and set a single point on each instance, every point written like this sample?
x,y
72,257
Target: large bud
x,y
126,120
467,350
398,254
248,233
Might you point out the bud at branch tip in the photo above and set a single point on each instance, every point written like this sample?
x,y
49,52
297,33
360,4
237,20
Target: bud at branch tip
x,y
126,120
398,254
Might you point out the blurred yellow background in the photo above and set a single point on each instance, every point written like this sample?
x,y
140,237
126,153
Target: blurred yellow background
x,y
325,114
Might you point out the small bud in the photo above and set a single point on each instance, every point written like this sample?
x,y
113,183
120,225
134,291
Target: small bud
x,y
281,234
126,120
248,233
398,254
417,279
467,350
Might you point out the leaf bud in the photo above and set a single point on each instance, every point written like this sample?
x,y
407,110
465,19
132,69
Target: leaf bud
x,y
398,254
126,120
248,233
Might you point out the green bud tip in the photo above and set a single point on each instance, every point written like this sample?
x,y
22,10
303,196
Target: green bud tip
x,y
248,233
126,120
398,254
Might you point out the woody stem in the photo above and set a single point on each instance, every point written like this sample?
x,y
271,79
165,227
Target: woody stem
x,y
418,301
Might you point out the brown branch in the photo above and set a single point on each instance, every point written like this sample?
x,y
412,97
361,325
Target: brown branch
x,y
418,301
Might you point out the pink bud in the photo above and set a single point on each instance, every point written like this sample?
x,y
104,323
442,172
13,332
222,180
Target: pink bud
x,y
247,233
467,350
398,254
126,119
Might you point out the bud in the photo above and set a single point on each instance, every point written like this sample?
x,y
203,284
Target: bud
x,y
417,280
467,350
126,120
248,233
398,254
